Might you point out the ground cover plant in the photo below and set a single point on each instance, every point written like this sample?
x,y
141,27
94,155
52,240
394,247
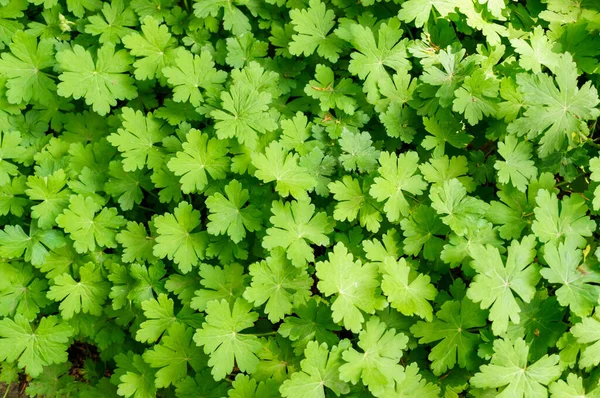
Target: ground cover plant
x,y
299,199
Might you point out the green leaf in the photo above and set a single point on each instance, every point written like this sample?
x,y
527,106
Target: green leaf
x,y
226,283
173,356
191,73
201,157
509,368
571,223
10,148
517,166
353,203
355,285
175,239
572,388
359,153
220,335
396,176
228,214
331,95
24,67
458,210
557,114
23,294
320,370
88,229
86,295
579,290
276,282
154,49
53,195
160,316
452,327
378,365
313,322
115,23
588,332
34,348
407,290
101,82
495,282
312,28
373,56
295,224
277,164
136,140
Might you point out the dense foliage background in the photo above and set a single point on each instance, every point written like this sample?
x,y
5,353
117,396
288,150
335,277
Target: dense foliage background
x,y
265,198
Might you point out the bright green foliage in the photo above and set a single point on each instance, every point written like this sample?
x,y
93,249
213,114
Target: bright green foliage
x,y
571,222
23,294
160,317
588,332
474,98
244,115
295,224
397,175
115,23
495,282
137,138
359,153
407,290
353,203
24,66
276,282
201,157
572,388
86,295
579,290
558,114
332,95
221,338
313,26
192,73
373,55
101,82
176,239
313,322
36,347
354,284
173,356
88,229
154,49
10,149
509,370
451,328
228,214
54,196
300,199
320,371
276,164
226,283
458,210
378,364
14,242
517,166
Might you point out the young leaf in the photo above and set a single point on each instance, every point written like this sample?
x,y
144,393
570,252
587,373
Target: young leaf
x,y
228,214
175,239
509,368
294,225
34,348
494,284
101,82
220,335
355,285
396,176
276,282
